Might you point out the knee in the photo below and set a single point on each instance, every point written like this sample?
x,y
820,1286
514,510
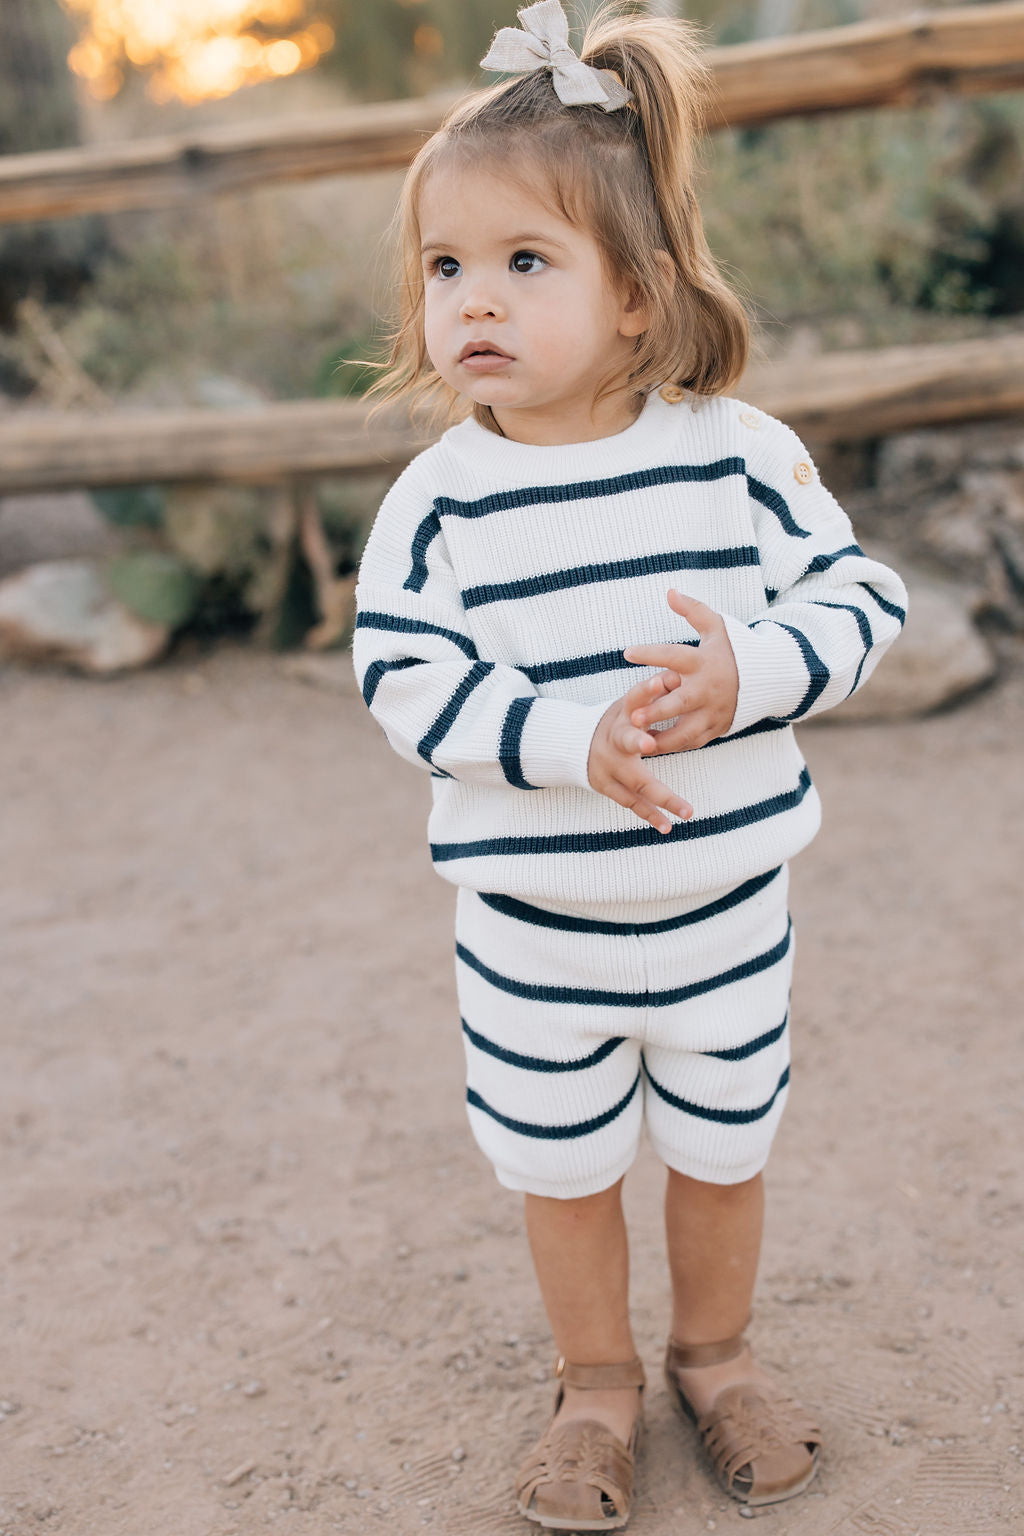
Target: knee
x,y
579,1210
700,1192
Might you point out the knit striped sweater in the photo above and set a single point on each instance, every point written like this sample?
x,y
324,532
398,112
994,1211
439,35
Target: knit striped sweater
x,y
501,583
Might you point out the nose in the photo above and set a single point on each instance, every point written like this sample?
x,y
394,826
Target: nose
x,y
480,302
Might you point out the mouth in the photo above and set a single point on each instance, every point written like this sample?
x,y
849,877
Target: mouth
x,y
483,354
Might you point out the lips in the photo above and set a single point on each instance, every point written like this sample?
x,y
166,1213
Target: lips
x,y
483,350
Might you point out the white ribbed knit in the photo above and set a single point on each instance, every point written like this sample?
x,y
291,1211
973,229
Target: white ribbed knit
x,y
502,581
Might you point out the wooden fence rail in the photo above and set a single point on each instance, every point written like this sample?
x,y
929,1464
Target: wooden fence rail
x,y
967,50
847,395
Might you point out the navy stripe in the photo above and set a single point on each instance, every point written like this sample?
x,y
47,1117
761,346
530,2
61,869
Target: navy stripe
x,y
819,674
511,740
759,728
722,1116
547,495
368,619
377,670
824,562
771,593
553,1132
883,602
613,570
541,1063
631,837
867,638
586,490
587,666
448,716
599,997
775,503
427,531
751,1048
509,906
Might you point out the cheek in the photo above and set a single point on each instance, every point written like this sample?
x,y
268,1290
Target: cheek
x,y
433,327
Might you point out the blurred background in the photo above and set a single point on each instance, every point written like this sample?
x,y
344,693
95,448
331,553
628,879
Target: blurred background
x,y
869,227
853,230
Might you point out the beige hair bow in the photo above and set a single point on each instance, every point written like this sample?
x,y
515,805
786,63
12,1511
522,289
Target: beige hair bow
x,y
544,44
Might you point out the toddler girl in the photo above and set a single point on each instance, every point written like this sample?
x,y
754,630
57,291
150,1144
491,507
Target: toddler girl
x,y
593,611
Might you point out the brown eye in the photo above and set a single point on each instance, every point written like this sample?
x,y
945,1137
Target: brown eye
x,y
526,262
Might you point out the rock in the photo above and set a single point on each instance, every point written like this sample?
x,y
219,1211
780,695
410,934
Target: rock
x,y
58,526
939,656
64,611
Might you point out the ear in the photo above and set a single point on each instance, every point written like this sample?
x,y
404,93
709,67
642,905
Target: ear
x,y
635,317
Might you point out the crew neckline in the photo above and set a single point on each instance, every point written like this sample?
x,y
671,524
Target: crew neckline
x,y
480,446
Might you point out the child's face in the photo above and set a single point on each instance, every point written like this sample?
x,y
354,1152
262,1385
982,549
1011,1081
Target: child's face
x,y
520,314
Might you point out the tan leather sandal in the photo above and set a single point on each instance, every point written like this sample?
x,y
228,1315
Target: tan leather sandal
x,y
579,1476
762,1444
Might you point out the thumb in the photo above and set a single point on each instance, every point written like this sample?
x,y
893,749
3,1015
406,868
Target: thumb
x,y
704,619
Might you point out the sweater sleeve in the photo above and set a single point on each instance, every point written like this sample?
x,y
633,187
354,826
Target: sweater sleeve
x,y
830,611
441,706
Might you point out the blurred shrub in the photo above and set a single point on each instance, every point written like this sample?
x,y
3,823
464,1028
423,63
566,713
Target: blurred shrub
x,y
872,212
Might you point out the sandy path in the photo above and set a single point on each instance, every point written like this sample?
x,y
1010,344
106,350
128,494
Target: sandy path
x,y
244,1224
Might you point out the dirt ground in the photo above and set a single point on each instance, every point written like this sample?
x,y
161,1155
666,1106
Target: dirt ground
x,y
255,1272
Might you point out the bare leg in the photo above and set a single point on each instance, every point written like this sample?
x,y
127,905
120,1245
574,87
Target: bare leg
x,y
714,1242
581,1256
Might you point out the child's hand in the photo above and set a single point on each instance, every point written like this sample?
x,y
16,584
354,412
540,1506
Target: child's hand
x,y
615,766
705,698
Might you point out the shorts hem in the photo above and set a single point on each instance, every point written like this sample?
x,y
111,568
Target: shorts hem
x,y
712,1173
571,1189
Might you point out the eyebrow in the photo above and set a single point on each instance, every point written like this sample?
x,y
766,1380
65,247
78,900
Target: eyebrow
x,y
527,239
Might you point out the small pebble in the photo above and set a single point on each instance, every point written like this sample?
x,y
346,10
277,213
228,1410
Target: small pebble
x,y
458,1454
237,1473
351,1484
403,1251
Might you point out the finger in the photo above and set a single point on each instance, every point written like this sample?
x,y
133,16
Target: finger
x,y
695,731
631,740
681,701
650,688
704,619
643,800
681,658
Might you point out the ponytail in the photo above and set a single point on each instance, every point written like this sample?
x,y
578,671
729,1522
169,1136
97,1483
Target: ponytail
x,y
661,63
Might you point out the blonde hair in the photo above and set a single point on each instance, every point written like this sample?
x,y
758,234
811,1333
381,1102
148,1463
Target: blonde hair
x,y
626,176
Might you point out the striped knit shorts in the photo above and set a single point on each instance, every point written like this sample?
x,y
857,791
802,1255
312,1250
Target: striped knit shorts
x,y
579,1030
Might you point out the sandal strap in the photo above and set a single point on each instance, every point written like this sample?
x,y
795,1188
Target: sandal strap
x,y
601,1377
686,1357
761,1442
586,1468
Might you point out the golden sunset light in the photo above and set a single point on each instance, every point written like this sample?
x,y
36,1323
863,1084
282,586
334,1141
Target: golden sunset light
x,y
192,50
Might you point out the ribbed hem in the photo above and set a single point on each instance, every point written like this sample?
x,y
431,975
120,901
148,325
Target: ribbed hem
x,y
711,1173
572,1189
772,673
556,741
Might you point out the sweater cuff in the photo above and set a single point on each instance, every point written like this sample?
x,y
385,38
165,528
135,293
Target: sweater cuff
x,y
772,673
555,743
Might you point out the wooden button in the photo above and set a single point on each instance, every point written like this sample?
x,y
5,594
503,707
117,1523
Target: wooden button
x,y
751,419
803,472
672,394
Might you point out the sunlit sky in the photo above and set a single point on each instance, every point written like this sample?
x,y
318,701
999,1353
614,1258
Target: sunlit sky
x,y
191,50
